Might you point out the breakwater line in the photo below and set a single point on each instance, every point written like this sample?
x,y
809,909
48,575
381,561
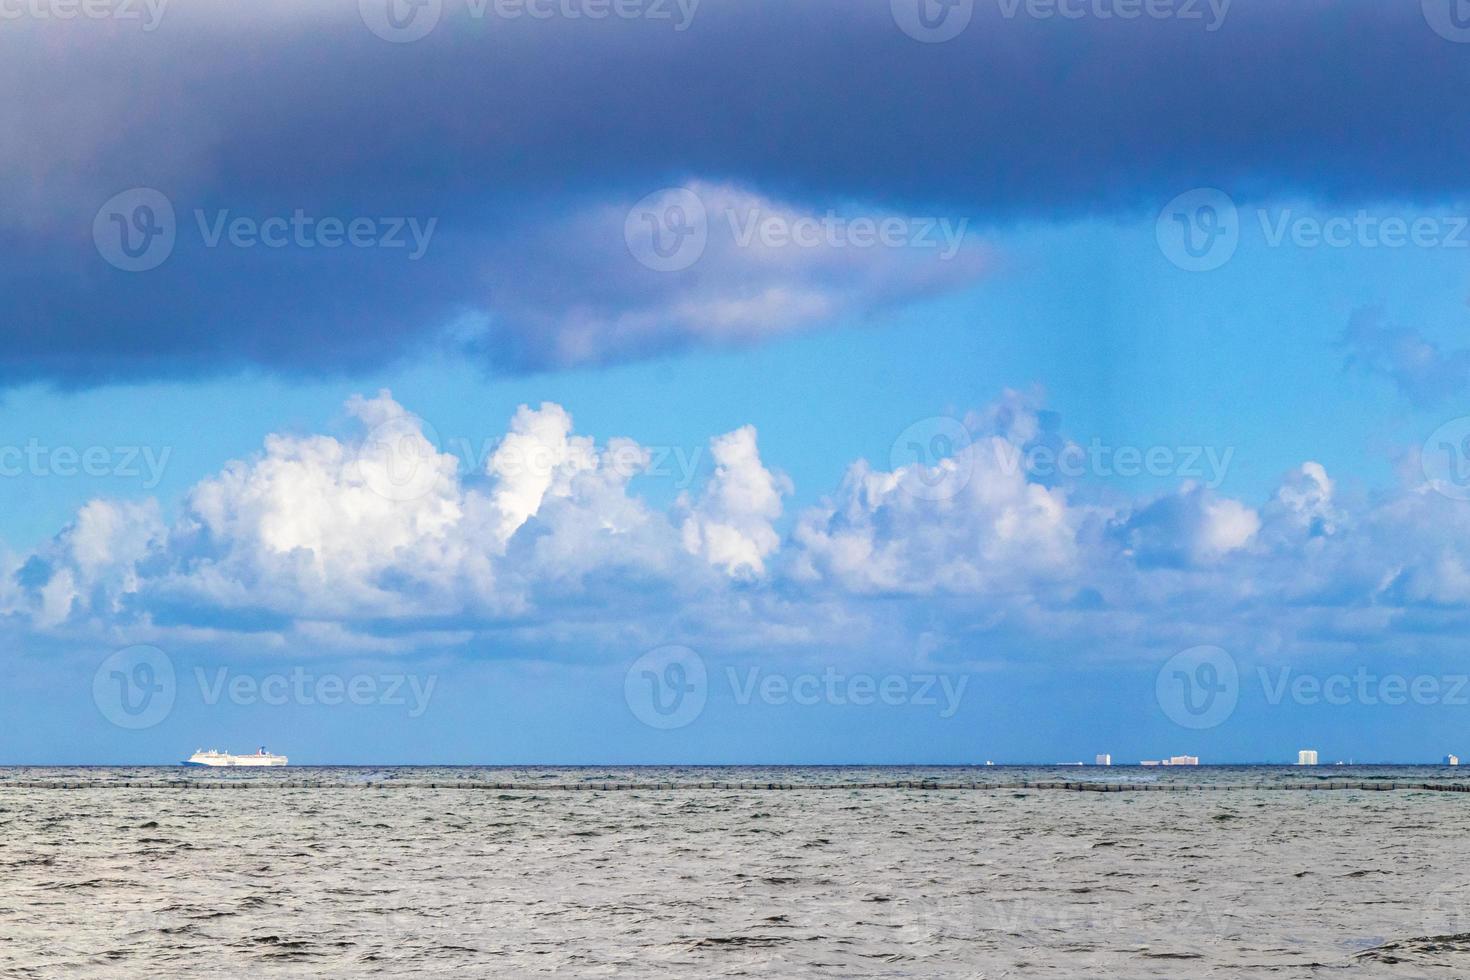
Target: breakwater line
x,y
734,786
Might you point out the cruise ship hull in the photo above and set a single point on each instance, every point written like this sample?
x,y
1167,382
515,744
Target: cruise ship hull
x,y
224,760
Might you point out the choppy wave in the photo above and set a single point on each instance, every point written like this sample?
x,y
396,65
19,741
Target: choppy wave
x,y
336,879
531,776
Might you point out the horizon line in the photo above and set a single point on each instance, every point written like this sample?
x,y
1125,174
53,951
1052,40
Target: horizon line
x,y
729,765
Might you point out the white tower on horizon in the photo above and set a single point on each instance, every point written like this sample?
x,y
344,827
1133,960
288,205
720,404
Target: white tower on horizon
x,y
1306,757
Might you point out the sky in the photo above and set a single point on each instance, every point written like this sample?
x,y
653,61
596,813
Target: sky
x,y
570,381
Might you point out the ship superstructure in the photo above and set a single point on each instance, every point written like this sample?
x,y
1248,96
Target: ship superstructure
x,y
214,757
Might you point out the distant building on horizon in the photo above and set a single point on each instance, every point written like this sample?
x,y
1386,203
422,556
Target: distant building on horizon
x,y
1173,760
1452,760
1103,759
1306,757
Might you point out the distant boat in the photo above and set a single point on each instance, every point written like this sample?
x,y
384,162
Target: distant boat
x,y
216,758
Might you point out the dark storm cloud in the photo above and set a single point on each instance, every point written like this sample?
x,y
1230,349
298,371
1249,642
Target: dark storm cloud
x,y
513,129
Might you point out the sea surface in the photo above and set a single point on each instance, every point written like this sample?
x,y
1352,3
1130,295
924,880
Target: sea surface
x,y
355,872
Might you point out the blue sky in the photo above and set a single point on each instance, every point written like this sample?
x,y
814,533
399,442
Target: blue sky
x,y
638,482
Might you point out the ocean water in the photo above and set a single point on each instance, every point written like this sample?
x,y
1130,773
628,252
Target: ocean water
x,y
354,872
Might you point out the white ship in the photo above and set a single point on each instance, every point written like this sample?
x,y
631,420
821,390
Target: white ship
x,y
214,757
